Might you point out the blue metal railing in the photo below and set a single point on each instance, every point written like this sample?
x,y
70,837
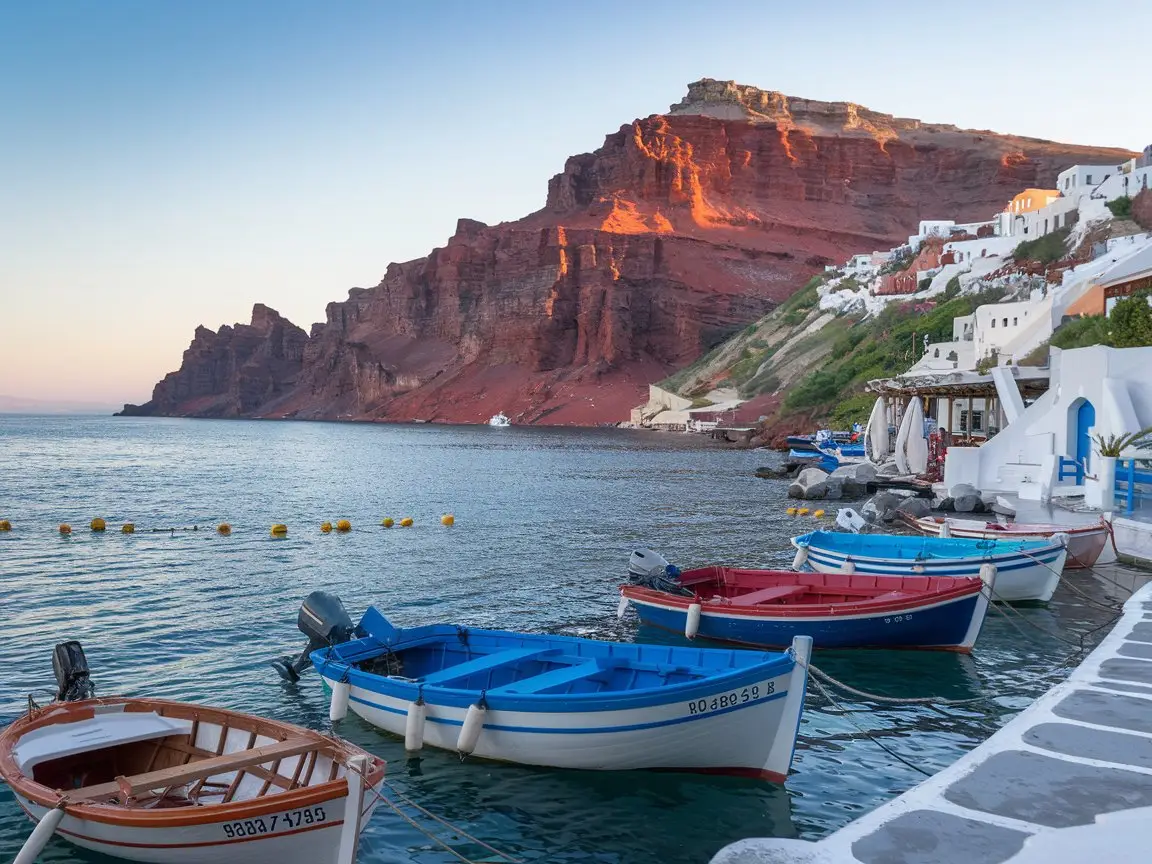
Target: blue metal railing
x,y
1071,468
1128,477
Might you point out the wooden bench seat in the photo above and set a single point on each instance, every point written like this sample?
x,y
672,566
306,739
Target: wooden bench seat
x,y
554,678
178,775
483,664
765,595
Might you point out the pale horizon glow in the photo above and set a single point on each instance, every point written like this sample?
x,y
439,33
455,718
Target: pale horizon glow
x,y
168,165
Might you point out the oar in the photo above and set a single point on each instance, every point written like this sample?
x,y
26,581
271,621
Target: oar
x,y
40,836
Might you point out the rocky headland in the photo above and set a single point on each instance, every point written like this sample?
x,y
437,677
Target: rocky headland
x,y
681,229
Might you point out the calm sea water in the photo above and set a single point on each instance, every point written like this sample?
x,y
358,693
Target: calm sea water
x,y
545,519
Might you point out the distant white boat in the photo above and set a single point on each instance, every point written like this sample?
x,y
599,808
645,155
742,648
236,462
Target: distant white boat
x,y
500,419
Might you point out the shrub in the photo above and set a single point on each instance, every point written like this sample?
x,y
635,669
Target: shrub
x,y
1131,322
952,289
1043,250
1121,208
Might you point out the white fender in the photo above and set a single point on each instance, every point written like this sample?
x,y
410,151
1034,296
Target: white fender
x,y
338,707
414,726
622,606
801,558
39,837
1062,538
988,573
848,566
692,623
470,731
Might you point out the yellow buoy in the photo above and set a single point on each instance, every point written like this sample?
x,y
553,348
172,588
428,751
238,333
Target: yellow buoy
x,y
97,524
387,522
406,522
803,511
5,525
65,528
448,519
819,514
325,527
791,511
127,528
224,528
343,525
279,530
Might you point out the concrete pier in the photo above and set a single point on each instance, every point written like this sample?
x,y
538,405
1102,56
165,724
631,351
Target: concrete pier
x,y
1067,781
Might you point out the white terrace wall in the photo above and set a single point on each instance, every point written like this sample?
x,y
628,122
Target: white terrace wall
x,y
1114,381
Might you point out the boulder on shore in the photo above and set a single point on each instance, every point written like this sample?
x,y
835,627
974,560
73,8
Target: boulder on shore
x,y
854,478
881,507
968,503
888,469
963,489
914,508
811,484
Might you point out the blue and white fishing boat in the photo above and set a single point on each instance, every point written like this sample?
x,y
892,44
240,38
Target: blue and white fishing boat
x,y
561,701
1024,569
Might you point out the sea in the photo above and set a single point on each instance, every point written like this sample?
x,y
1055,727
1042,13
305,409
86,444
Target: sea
x,y
545,519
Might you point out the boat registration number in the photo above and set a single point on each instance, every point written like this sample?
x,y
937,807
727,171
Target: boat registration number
x,y
729,700
276,822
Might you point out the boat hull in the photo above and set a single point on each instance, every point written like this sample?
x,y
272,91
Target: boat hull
x,y
283,835
731,730
949,625
1084,544
1020,576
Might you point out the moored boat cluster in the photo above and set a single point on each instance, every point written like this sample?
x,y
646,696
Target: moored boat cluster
x,y
162,779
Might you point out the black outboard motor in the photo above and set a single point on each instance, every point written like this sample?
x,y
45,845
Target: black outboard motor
x,y
324,620
71,669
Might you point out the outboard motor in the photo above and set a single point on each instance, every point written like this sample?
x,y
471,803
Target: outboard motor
x,y
324,620
71,669
646,567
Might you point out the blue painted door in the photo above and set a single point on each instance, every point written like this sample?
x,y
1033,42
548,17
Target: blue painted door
x,y
1085,420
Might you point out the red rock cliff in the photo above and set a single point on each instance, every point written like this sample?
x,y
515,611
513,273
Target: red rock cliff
x,y
682,228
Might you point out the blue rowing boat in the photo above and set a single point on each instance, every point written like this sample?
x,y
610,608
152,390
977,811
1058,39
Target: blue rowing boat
x,y
1023,569
563,701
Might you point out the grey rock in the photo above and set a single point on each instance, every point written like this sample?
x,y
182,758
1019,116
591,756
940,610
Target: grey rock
x,y
811,484
881,507
963,489
947,505
888,469
914,507
854,479
968,503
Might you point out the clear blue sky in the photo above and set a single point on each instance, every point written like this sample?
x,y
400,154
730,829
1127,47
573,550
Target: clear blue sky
x,y
167,164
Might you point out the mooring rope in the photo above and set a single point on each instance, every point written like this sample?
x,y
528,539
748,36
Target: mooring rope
x,y
820,674
848,716
455,828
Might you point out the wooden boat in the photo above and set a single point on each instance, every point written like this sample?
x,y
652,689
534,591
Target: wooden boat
x,y
174,783
838,610
1025,569
567,702
1085,543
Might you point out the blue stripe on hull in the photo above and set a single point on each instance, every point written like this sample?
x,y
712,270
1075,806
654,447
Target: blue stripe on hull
x,y
583,730
939,627
931,568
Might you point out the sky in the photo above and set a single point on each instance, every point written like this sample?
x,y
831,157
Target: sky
x,y
169,164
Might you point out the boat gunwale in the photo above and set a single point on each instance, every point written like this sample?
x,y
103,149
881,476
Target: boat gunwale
x,y
304,796
776,664
991,556
814,610
929,525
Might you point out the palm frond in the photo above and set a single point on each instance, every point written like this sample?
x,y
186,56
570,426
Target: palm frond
x,y
1114,445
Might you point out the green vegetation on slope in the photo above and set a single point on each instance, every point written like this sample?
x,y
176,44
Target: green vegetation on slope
x,y
877,348
1044,250
1130,326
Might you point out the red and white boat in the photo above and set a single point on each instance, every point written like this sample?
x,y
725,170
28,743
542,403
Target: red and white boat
x,y
1085,543
176,783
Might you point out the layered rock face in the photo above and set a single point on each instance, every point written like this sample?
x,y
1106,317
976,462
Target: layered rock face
x,y
232,372
681,229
